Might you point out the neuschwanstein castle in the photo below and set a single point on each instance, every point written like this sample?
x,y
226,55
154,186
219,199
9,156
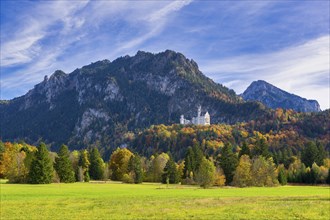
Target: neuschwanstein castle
x,y
199,120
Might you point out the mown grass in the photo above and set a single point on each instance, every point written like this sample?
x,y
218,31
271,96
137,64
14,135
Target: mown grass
x,y
155,201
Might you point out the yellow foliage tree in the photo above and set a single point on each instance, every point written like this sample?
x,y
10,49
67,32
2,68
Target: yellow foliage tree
x,y
118,163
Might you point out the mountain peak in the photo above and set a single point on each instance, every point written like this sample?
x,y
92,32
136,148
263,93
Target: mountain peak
x,y
274,97
100,101
58,74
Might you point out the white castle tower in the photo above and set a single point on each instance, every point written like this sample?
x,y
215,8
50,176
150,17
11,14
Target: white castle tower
x,y
182,120
199,120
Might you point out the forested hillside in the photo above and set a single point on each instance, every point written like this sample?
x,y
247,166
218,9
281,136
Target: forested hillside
x,y
285,132
98,103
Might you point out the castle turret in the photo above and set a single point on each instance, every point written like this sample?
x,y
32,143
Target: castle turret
x,y
207,119
182,120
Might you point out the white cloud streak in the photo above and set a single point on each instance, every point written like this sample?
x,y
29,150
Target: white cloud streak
x,y
25,45
42,41
298,69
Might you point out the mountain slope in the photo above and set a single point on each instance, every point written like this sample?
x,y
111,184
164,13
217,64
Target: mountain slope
x,y
98,103
274,97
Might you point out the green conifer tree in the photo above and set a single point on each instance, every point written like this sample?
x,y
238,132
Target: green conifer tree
x,y
228,162
261,148
96,169
170,172
282,178
189,163
198,157
245,150
41,170
135,167
63,165
309,154
321,155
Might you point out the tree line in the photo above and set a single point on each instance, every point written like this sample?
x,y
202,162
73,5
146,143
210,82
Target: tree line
x,y
23,163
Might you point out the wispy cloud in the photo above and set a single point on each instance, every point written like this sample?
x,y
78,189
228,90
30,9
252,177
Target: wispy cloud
x,y
234,42
25,46
298,69
66,35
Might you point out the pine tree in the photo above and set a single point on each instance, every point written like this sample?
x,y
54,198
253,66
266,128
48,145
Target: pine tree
x,y
63,165
189,163
321,155
170,172
228,162
135,167
282,179
41,170
261,148
245,150
198,157
310,154
96,169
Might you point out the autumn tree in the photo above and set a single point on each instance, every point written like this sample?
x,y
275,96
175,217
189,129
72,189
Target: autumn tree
x,y
219,177
206,173
315,173
13,164
41,171
156,167
118,163
63,165
84,164
74,158
243,176
263,172
2,150
228,162
96,168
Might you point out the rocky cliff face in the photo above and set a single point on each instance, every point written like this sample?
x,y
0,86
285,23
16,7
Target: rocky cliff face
x,y
274,97
98,103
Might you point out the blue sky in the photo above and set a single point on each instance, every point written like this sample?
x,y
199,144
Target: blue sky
x,y
234,42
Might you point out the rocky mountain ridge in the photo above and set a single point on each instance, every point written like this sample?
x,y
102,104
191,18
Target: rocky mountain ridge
x,y
98,103
274,97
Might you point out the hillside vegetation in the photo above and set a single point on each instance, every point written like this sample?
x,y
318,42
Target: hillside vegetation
x,y
99,102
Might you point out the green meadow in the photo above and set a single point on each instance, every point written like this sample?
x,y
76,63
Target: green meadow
x,y
155,201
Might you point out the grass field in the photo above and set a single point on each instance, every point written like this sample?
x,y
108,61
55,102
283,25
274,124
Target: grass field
x,y
124,201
